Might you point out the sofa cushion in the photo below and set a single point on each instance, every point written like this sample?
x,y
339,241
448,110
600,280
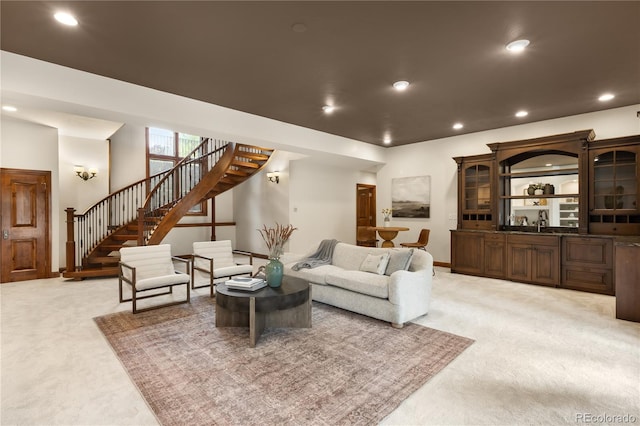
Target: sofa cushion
x,y
361,282
313,275
376,263
399,260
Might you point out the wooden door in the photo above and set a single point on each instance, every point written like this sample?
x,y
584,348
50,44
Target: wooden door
x,y
519,262
545,268
467,252
366,205
494,255
25,248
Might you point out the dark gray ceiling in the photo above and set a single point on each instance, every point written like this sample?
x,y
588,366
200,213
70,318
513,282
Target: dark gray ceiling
x,y
246,56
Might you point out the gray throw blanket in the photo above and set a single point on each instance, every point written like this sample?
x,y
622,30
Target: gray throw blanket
x,y
322,256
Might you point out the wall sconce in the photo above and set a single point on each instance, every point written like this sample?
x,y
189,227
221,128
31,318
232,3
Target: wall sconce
x,y
274,177
83,174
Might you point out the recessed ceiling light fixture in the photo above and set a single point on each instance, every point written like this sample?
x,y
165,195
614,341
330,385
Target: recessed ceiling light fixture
x,y
9,108
328,109
386,139
299,27
606,97
458,126
522,113
517,46
401,85
66,19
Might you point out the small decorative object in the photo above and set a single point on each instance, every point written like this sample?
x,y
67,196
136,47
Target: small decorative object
x,y
387,217
538,189
531,190
549,189
275,238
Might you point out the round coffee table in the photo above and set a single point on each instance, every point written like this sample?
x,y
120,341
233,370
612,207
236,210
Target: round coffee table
x,y
286,306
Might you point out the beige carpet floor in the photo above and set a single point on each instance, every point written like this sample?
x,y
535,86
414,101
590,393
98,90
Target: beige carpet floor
x,y
348,369
541,356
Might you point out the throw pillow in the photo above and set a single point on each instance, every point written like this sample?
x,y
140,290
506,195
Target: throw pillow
x,y
399,260
376,263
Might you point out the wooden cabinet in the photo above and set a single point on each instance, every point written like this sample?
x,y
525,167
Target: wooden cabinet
x,y
628,281
534,259
614,187
561,237
495,255
587,264
478,253
467,252
475,175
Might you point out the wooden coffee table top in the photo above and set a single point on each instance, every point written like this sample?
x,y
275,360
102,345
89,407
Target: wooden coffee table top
x,y
293,292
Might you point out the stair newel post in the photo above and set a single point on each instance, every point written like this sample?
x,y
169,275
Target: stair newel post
x,y
71,243
213,219
141,226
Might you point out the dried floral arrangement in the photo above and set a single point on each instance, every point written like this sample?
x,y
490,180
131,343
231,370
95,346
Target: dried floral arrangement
x,y
387,212
275,238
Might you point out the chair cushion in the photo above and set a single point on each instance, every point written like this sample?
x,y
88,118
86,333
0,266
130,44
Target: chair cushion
x,y
220,251
229,271
149,261
361,282
162,281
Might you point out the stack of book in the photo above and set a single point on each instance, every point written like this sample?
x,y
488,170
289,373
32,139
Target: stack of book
x,y
245,283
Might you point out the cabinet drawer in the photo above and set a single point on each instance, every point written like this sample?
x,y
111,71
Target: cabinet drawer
x,y
534,239
594,280
587,252
499,238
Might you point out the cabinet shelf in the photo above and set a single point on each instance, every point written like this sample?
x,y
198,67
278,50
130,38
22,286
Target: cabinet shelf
x,y
526,197
537,174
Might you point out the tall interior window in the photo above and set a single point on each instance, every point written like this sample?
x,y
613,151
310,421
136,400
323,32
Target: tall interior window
x,y
165,148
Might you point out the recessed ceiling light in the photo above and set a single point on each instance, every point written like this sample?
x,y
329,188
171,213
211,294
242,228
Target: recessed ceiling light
x,y
387,139
548,165
606,97
328,109
299,27
517,46
9,108
66,18
522,113
458,126
401,85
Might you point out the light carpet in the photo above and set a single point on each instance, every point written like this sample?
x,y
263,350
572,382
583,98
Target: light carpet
x,y
347,369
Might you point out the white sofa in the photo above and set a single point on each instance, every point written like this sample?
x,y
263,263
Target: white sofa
x,y
397,298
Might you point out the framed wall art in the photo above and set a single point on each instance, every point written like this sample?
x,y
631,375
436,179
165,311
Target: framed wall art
x,y
411,197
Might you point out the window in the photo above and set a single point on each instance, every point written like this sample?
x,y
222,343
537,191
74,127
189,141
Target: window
x,y
165,149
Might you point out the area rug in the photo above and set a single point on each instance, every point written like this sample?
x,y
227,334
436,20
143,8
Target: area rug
x,y
346,369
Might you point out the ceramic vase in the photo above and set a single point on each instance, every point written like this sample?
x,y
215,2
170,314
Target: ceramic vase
x,y
273,271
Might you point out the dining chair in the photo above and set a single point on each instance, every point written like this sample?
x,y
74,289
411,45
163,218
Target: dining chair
x,y
423,240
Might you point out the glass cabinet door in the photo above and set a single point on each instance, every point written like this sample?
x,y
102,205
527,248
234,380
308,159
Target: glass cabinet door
x,y
614,191
475,194
477,188
615,181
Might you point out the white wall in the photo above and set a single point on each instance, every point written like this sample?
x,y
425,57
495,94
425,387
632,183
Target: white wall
x,y
75,192
323,203
31,146
434,158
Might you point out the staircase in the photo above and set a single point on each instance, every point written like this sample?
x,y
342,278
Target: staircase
x,y
144,212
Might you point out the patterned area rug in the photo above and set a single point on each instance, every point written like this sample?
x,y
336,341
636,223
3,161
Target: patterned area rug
x,y
347,369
